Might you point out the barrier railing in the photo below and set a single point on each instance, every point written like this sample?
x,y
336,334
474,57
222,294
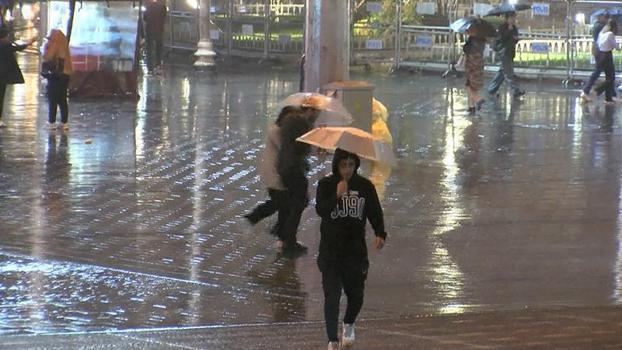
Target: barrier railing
x,y
247,28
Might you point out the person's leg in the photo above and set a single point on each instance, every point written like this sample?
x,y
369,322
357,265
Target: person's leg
x,y
264,209
280,198
297,201
354,287
508,74
331,284
158,50
594,76
149,48
2,93
496,82
610,77
62,100
52,93
470,98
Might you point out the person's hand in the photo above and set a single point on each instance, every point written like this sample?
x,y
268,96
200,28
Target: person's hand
x,y
378,243
342,188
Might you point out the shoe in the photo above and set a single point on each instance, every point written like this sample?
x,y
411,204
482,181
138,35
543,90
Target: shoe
x,y
518,93
585,97
333,345
52,126
279,245
471,110
2,125
293,251
347,339
250,220
296,247
64,126
610,102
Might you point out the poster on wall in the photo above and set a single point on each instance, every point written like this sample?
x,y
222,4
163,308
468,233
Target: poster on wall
x,y
103,37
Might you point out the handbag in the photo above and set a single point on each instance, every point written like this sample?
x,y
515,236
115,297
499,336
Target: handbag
x,y
461,64
52,68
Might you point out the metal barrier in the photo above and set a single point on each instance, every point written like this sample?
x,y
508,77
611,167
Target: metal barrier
x,y
182,30
560,42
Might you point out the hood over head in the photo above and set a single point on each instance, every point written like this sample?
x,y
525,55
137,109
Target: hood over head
x,y
343,154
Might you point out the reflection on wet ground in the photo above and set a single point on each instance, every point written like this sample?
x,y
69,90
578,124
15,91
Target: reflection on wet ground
x,y
131,218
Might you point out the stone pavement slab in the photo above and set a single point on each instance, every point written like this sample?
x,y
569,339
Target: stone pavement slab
x,y
566,328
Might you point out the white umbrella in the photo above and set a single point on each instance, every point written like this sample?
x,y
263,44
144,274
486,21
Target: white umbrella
x,y
332,111
353,140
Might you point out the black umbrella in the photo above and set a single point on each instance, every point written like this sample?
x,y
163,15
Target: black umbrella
x,y
506,7
474,26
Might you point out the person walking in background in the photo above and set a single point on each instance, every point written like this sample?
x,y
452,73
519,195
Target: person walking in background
x,y
57,58
345,201
505,46
154,17
604,62
380,172
601,21
10,72
474,71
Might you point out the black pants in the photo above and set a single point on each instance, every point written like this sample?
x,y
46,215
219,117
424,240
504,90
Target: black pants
x,y
269,207
604,63
154,50
57,98
291,208
2,92
336,276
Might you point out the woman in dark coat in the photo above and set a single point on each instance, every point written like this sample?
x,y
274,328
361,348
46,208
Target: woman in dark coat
x,y
9,69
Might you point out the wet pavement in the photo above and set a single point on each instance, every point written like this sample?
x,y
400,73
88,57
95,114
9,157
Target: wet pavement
x,y
131,219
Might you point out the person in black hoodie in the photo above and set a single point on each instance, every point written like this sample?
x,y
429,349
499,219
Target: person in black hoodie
x,y
345,201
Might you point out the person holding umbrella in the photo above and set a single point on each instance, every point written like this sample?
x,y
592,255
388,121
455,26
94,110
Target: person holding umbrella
x,y
604,62
477,30
474,71
505,46
345,201
602,17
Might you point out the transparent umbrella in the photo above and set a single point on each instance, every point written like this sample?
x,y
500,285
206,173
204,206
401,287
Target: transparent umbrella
x,y
353,140
332,111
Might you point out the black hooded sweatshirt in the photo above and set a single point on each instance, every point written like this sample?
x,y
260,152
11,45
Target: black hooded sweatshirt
x,y
344,219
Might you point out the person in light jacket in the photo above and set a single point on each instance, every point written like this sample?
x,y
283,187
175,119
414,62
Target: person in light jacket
x,y
283,172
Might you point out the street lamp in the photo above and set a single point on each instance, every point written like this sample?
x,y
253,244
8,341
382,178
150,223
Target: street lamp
x,y
204,54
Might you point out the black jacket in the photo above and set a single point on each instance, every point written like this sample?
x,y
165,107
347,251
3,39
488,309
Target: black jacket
x,y
505,43
9,69
343,219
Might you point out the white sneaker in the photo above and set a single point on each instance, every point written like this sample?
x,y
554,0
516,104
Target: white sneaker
x,y
52,126
333,345
347,339
64,126
2,125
